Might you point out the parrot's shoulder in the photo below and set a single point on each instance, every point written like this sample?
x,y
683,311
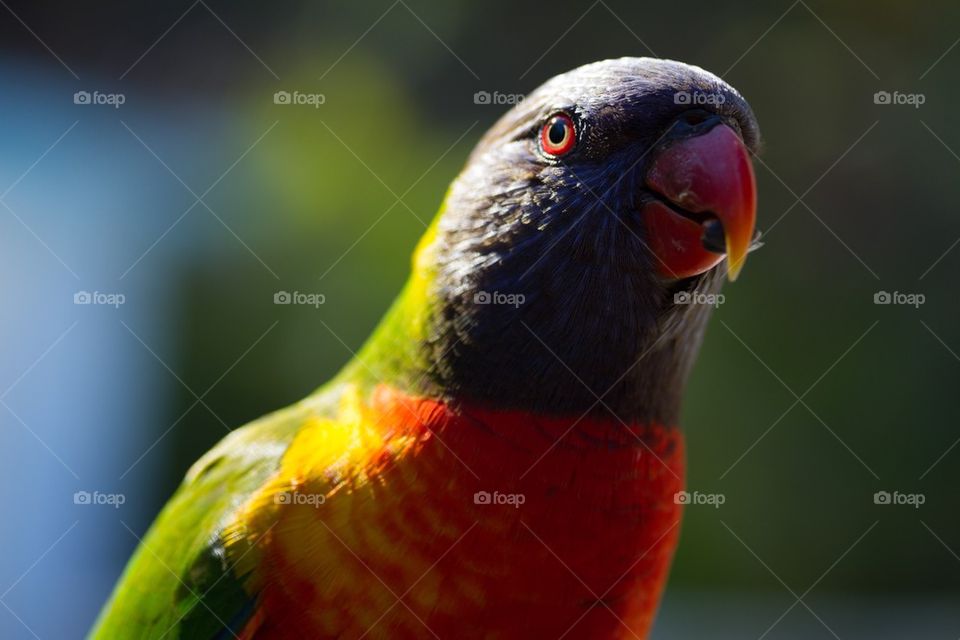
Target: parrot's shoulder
x,y
180,583
245,448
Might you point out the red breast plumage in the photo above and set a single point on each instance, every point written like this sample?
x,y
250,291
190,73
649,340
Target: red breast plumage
x,y
461,522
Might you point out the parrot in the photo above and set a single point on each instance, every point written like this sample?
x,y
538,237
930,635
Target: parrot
x,y
502,458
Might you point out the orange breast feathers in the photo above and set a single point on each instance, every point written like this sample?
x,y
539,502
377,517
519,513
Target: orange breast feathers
x,y
405,518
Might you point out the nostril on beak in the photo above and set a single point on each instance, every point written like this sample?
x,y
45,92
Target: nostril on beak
x,y
693,122
693,117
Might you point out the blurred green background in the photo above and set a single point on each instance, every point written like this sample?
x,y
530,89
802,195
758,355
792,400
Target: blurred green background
x,y
808,397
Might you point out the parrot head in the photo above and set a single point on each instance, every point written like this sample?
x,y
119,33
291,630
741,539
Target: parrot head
x,y
584,220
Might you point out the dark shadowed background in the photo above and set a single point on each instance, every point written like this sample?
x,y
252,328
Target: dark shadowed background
x,y
147,161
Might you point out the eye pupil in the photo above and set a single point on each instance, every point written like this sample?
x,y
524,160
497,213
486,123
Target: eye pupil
x,y
558,131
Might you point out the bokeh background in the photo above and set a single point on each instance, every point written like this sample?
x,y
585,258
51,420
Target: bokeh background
x,y
199,198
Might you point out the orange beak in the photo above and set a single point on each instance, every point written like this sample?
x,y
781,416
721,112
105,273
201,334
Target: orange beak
x,y
708,204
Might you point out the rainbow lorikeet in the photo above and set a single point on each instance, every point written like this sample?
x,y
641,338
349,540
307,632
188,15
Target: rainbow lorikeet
x,y
502,458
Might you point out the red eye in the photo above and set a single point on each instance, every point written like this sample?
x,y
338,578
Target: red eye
x,y
558,135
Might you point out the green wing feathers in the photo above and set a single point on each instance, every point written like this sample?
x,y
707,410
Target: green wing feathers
x,y
178,583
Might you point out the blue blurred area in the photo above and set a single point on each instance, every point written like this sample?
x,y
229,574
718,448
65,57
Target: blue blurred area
x,y
80,399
